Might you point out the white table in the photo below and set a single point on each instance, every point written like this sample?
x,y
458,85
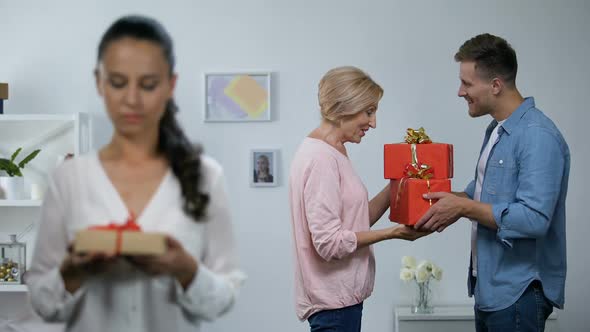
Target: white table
x,y
447,318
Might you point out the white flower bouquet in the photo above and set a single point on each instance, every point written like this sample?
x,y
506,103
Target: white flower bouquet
x,y
421,273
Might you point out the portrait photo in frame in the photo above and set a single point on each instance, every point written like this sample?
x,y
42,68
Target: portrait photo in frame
x,y
263,167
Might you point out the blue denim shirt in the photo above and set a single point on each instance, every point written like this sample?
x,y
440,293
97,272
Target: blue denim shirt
x,y
525,181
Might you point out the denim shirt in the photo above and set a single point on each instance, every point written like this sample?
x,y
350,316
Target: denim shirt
x,y
525,182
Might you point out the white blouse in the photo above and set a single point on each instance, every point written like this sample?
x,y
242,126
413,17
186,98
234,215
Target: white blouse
x,y
125,299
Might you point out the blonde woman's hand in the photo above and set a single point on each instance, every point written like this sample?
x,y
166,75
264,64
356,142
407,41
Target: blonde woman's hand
x,y
408,233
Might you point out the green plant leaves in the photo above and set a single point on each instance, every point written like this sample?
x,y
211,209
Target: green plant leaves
x,y
28,158
13,169
15,154
9,167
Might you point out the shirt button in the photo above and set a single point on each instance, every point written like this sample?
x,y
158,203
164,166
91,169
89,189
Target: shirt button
x,y
501,161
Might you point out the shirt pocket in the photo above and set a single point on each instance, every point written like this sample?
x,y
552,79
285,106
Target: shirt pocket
x,y
501,177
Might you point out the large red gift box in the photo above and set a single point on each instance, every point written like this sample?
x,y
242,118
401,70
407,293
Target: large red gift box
x,y
439,156
407,204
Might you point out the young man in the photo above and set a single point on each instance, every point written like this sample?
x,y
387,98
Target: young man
x,y
516,201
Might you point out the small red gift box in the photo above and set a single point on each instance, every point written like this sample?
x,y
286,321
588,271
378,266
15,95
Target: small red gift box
x,y
407,204
438,156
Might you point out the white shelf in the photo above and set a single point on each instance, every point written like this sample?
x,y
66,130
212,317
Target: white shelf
x,y
37,117
442,313
458,318
13,288
20,203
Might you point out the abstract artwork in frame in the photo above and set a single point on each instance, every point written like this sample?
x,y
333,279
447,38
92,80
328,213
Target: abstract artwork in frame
x,y
237,97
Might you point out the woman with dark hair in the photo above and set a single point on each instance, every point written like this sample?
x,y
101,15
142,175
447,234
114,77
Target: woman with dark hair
x,y
149,170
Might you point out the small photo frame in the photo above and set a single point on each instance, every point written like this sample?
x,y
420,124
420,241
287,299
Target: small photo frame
x,y
263,168
237,97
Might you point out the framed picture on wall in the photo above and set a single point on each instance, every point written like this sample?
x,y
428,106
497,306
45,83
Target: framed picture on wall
x,y
237,97
263,167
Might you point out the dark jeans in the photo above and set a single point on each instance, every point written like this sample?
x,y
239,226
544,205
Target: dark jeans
x,y
529,314
347,319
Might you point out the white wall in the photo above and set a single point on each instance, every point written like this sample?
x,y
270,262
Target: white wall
x,y
47,53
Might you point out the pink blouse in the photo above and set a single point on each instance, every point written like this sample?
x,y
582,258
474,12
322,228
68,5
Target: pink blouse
x,y
329,203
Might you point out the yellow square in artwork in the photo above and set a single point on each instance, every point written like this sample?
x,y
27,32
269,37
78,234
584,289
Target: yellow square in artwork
x,y
248,94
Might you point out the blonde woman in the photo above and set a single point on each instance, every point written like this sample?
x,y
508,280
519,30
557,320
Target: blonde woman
x,y
331,213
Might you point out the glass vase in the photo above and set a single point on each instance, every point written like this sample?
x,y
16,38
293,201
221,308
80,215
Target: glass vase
x,y
422,301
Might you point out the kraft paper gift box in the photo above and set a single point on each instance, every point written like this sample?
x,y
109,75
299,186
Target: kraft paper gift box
x,y
3,90
418,149
125,239
3,95
407,203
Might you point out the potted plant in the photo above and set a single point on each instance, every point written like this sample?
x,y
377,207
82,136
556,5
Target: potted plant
x,y
11,177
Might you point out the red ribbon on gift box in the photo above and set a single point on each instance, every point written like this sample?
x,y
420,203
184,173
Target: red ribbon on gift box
x,y
129,225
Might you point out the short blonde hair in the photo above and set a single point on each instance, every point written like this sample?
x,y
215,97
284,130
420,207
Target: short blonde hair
x,y
346,91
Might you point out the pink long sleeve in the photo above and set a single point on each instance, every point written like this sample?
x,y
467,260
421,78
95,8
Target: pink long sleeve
x,y
329,203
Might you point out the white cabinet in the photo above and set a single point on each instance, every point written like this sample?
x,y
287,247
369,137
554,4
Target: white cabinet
x,y
56,135
452,318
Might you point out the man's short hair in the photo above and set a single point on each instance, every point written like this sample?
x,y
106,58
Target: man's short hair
x,y
493,57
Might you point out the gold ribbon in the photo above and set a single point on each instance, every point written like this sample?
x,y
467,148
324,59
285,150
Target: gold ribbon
x,y
415,169
417,136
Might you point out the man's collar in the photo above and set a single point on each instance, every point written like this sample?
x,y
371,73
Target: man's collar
x,y
512,121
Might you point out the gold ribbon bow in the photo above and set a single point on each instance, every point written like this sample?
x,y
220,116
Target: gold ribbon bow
x,y
417,136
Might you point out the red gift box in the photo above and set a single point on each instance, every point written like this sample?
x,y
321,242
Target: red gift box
x,y
439,156
407,205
